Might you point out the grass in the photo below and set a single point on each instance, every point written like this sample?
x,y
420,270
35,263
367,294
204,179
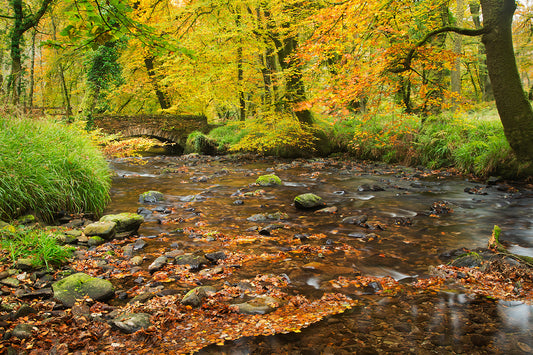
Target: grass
x,y
41,247
48,167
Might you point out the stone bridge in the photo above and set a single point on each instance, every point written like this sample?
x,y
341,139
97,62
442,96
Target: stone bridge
x,y
166,128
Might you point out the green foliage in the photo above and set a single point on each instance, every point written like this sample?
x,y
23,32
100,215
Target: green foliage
x,y
37,244
470,142
228,135
276,133
47,167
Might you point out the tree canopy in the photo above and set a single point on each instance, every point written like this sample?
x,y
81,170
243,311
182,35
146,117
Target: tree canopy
x,y
249,59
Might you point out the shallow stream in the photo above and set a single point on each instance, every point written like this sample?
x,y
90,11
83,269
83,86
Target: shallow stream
x,y
414,218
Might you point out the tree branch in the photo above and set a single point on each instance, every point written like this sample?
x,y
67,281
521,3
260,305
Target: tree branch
x,y
406,63
34,20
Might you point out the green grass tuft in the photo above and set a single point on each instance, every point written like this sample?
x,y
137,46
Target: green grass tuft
x,y
48,167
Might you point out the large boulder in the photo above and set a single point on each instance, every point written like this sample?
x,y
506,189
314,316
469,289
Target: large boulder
x,y
79,285
309,201
127,223
105,230
268,180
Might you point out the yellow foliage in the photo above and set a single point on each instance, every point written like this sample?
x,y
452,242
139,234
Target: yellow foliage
x,y
275,132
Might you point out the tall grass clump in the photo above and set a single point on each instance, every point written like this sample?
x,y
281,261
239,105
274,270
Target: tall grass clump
x,y
48,167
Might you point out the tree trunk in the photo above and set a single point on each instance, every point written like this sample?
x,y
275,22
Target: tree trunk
x,y
163,99
457,50
22,23
295,88
240,72
32,70
513,107
484,80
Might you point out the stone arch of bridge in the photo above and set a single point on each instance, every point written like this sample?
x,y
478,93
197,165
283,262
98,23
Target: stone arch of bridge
x,y
176,142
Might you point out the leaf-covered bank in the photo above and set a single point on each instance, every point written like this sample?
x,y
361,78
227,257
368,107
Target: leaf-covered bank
x,y
48,167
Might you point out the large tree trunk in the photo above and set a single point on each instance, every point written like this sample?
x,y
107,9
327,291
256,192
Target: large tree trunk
x,y
513,107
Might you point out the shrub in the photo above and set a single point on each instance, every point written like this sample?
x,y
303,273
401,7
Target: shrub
x,y
47,167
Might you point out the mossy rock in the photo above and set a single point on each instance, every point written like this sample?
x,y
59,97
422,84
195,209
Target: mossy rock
x,y
309,201
268,180
27,219
96,241
127,223
79,285
151,197
131,322
105,230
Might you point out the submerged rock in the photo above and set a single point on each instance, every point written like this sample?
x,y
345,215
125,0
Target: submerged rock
x,y
157,264
23,331
268,180
194,261
258,305
131,322
196,296
309,201
79,285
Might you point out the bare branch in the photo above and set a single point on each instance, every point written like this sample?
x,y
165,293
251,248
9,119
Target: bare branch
x,y
406,63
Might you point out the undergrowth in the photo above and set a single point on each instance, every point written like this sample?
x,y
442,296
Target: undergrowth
x,y
38,245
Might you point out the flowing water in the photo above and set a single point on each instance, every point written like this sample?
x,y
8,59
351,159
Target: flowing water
x,y
414,218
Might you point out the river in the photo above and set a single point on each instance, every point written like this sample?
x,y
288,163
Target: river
x,y
413,218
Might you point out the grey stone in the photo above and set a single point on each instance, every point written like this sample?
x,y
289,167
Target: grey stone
x,y
157,264
151,197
